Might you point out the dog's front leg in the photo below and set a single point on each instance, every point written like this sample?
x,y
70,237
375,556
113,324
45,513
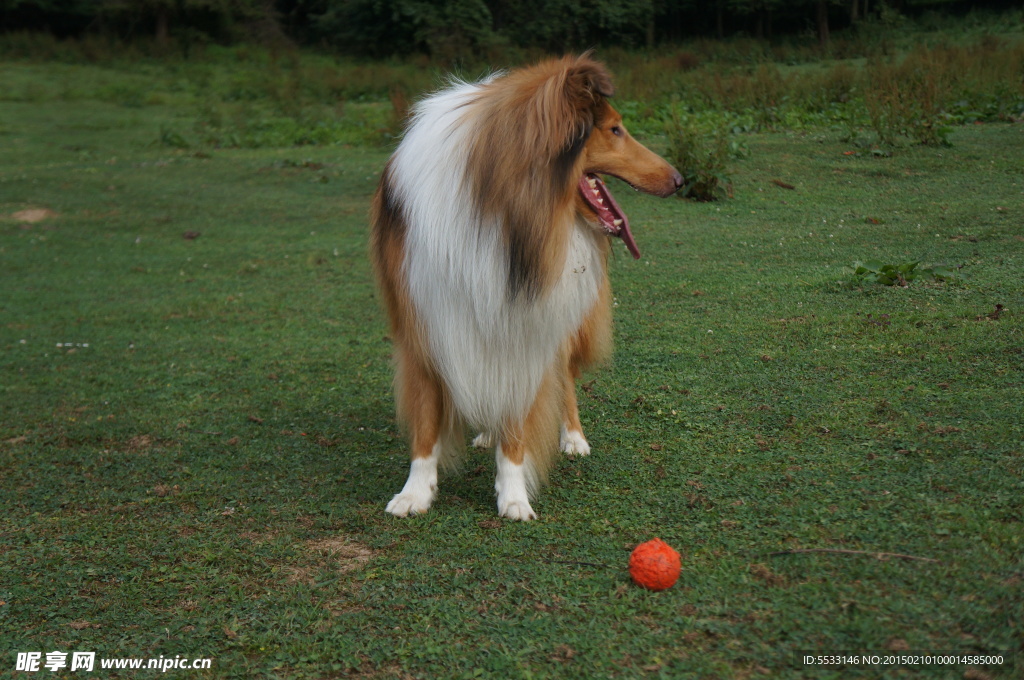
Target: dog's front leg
x,y
513,481
420,488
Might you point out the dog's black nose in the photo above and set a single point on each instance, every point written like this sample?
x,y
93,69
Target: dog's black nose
x,y
677,178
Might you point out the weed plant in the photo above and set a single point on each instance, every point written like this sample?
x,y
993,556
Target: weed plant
x,y
902,274
701,157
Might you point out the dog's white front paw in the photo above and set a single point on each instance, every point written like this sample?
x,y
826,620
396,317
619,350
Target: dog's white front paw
x,y
574,443
418,493
484,440
405,504
512,484
519,510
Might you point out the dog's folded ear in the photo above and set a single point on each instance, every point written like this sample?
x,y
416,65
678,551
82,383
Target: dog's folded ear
x,y
587,82
549,109
584,85
554,105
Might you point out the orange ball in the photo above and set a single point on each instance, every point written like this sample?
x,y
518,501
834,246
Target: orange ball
x,y
654,565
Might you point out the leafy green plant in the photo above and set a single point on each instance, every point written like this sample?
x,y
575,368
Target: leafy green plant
x,y
873,271
172,138
701,158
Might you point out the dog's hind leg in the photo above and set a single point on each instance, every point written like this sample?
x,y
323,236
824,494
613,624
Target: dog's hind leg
x,y
421,407
484,440
590,344
572,440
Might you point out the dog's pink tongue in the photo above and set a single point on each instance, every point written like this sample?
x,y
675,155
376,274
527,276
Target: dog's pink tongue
x,y
609,214
627,236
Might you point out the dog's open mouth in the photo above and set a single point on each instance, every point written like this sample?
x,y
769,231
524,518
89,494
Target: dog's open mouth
x,y
609,214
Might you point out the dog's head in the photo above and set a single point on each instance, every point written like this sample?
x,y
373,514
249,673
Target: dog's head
x,y
541,137
601,145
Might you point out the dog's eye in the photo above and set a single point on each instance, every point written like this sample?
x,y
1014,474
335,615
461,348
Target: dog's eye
x,y
616,130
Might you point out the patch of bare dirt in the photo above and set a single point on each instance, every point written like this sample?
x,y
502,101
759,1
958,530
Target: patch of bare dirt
x,y
336,553
33,215
346,555
140,443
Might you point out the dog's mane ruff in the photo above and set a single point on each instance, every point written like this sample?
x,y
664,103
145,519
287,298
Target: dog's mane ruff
x,y
497,267
531,126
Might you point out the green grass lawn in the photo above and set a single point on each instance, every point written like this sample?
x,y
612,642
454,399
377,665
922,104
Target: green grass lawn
x,y
197,439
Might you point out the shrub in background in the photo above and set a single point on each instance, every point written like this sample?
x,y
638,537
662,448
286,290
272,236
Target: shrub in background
x,y
701,157
907,97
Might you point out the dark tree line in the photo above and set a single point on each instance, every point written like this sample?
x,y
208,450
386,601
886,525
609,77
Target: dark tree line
x,y
455,28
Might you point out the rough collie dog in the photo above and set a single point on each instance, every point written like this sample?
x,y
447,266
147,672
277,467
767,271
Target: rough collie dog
x,y
490,236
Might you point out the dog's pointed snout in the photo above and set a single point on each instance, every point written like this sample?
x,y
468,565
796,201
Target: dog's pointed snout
x,y
676,182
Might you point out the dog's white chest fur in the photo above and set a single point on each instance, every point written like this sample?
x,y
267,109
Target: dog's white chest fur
x,y
493,351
